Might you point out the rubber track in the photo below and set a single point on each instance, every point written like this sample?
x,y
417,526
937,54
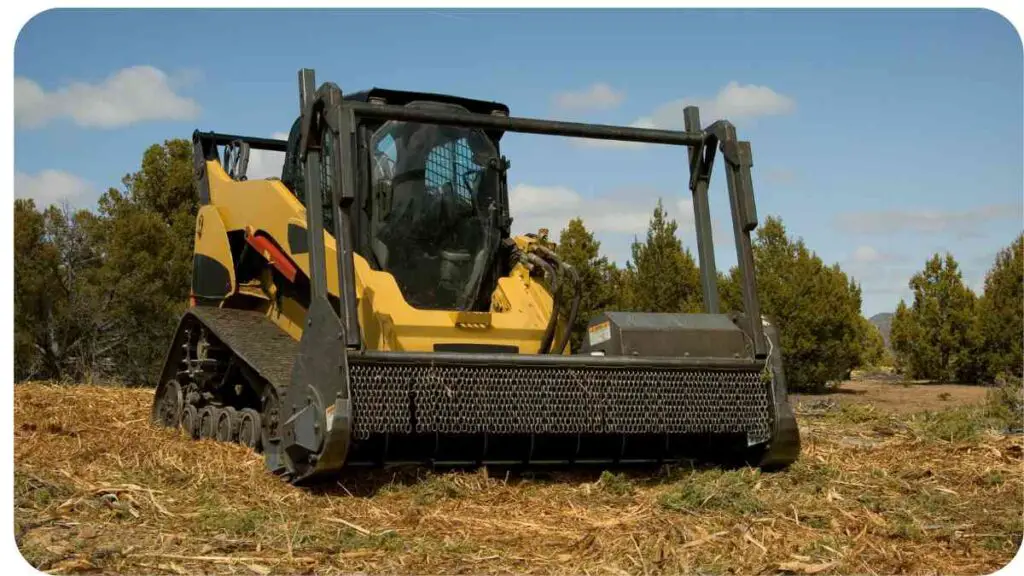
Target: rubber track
x,y
255,340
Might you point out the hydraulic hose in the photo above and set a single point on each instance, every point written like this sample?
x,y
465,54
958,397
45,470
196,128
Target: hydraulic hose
x,y
577,295
549,270
573,309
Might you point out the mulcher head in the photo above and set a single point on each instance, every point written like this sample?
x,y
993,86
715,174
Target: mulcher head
x,y
505,409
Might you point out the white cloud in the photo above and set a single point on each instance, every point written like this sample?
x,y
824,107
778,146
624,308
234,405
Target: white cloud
x,y
51,187
130,95
599,96
615,220
964,223
734,102
529,199
866,254
264,163
551,207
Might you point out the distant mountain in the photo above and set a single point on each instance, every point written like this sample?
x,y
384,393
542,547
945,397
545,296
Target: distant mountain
x,y
883,321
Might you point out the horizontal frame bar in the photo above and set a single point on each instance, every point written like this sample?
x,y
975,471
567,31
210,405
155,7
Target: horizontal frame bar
x,y
526,125
550,360
254,142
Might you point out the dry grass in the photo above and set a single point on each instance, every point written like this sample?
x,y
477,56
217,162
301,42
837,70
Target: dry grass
x,y
99,488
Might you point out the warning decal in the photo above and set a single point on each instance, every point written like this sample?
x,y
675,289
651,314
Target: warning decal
x,y
599,333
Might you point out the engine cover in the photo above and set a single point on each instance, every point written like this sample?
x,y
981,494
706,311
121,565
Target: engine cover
x,y
665,334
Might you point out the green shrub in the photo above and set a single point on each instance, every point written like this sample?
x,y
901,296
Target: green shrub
x,y
795,287
1005,402
615,484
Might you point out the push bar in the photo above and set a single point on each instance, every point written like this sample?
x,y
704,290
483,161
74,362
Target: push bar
x,y
526,125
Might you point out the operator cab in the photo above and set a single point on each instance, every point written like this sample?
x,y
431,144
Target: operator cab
x,y
431,204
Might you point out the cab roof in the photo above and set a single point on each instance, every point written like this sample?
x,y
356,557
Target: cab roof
x,y
403,97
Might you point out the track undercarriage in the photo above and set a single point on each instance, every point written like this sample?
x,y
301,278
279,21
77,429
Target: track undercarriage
x,y
213,393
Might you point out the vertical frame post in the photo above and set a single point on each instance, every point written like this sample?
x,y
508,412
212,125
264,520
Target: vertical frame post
x,y
738,161
326,119
699,181
314,204
317,419
343,197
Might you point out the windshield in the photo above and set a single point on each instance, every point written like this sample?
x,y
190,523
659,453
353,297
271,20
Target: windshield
x,y
435,204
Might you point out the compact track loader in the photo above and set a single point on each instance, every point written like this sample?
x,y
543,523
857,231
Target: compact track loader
x,y
372,307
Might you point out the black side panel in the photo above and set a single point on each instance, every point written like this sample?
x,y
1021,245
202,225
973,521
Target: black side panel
x,y
200,179
210,279
298,242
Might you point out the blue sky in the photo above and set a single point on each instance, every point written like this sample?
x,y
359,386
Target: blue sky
x,y
879,137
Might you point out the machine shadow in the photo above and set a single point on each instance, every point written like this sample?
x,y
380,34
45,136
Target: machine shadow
x,y
366,482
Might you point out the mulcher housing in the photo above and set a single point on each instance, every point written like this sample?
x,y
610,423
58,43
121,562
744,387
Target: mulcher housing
x,y
297,344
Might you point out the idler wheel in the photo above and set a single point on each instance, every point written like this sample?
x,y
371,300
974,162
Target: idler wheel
x,y
169,404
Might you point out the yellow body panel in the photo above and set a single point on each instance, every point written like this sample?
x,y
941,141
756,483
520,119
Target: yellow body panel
x,y
520,307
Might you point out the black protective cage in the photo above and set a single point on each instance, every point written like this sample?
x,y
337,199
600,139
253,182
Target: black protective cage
x,y
326,110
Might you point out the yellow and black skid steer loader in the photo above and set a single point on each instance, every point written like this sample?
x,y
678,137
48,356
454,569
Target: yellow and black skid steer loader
x,y
371,306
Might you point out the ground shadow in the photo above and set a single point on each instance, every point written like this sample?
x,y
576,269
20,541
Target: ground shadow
x,y
366,482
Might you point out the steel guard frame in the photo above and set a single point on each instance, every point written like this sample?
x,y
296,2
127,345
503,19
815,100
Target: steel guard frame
x,y
316,440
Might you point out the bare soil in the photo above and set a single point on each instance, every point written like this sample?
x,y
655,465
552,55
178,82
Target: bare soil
x,y
893,396
884,490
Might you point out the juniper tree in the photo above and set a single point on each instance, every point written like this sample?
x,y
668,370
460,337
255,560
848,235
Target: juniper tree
x,y
935,337
1001,314
816,307
578,247
662,275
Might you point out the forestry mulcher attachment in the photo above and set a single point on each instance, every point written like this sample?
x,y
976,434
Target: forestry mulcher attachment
x,y
371,306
